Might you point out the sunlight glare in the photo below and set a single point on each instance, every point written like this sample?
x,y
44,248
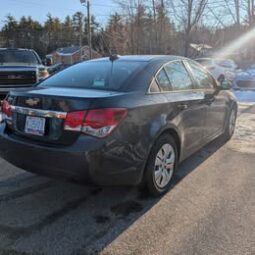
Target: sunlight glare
x,y
237,44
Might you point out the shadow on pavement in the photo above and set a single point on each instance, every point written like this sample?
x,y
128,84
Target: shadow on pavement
x,y
43,216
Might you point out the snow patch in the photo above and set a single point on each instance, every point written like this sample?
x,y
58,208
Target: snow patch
x,y
244,138
245,96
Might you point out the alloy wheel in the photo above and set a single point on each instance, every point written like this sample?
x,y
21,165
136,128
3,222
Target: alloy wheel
x,y
164,165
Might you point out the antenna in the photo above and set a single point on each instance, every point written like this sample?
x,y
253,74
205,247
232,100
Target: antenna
x,y
114,57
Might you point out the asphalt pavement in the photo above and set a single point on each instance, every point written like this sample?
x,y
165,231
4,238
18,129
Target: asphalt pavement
x,y
210,208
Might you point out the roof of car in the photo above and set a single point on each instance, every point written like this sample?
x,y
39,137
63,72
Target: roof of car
x,y
144,58
69,50
221,59
204,58
16,49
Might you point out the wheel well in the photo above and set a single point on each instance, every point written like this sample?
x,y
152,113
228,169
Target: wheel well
x,y
176,138
235,106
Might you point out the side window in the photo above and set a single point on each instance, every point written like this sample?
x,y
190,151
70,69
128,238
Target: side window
x,y
179,77
163,81
154,87
204,79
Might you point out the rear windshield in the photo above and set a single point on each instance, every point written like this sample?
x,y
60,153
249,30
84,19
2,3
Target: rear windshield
x,y
18,57
104,75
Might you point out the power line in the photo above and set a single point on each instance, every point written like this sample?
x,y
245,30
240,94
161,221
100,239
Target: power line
x,y
218,4
170,10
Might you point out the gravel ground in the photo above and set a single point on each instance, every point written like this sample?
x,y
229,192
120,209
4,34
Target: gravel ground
x,y
209,210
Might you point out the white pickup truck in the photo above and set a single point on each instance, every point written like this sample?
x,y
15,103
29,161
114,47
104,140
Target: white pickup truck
x,y
20,68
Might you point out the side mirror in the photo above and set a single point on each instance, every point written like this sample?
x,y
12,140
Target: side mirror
x,y
221,79
48,62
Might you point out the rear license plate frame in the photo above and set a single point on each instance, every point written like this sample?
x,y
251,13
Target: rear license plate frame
x,y
35,126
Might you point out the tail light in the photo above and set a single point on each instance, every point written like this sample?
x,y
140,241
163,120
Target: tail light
x,y
43,74
98,122
6,109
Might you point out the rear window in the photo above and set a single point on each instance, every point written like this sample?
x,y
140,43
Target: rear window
x,y
104,75
18,56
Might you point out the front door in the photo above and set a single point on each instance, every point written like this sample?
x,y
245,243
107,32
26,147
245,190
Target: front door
x,y
215,102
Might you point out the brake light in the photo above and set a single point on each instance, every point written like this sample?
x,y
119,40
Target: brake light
x,y
74,121
98,122
6,109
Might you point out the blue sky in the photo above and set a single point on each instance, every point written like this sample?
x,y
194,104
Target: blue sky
x,y
60,8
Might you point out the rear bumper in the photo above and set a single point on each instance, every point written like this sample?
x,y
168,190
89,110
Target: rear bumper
x,y
89,160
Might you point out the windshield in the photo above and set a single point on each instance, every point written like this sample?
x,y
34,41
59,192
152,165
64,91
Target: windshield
x,y
18,57
105,75
225,63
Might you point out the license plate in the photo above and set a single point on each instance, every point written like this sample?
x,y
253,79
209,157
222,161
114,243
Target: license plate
x,y
35,126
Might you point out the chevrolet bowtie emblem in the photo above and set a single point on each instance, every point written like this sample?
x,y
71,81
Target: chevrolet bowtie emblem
x,y
32,101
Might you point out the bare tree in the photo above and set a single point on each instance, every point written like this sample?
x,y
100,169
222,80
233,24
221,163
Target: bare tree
x,y
250,10
115,34
237,8
233,8
155,31
148,26
189,13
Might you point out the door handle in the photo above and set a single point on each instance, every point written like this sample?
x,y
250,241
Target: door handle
x,y
183,106
209,98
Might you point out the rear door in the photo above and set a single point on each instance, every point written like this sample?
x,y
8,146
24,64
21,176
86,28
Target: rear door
x,y
216,107
186,103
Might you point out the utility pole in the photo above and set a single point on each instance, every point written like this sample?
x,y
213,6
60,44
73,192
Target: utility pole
x,y
89,29
80,37
83,2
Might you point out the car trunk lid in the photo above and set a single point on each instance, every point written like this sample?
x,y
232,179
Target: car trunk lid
x,y
39,114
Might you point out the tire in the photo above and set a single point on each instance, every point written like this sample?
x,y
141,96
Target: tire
x,y
161,165
231,123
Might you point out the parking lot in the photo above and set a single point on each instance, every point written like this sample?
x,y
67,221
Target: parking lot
x,y
209,210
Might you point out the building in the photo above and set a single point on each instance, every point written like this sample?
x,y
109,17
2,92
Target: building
x,y
72,55
200,50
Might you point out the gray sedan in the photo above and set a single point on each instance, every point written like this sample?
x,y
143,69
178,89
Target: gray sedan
x,y
245,80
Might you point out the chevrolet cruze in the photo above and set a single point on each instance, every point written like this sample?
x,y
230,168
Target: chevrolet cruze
x,y
123,120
